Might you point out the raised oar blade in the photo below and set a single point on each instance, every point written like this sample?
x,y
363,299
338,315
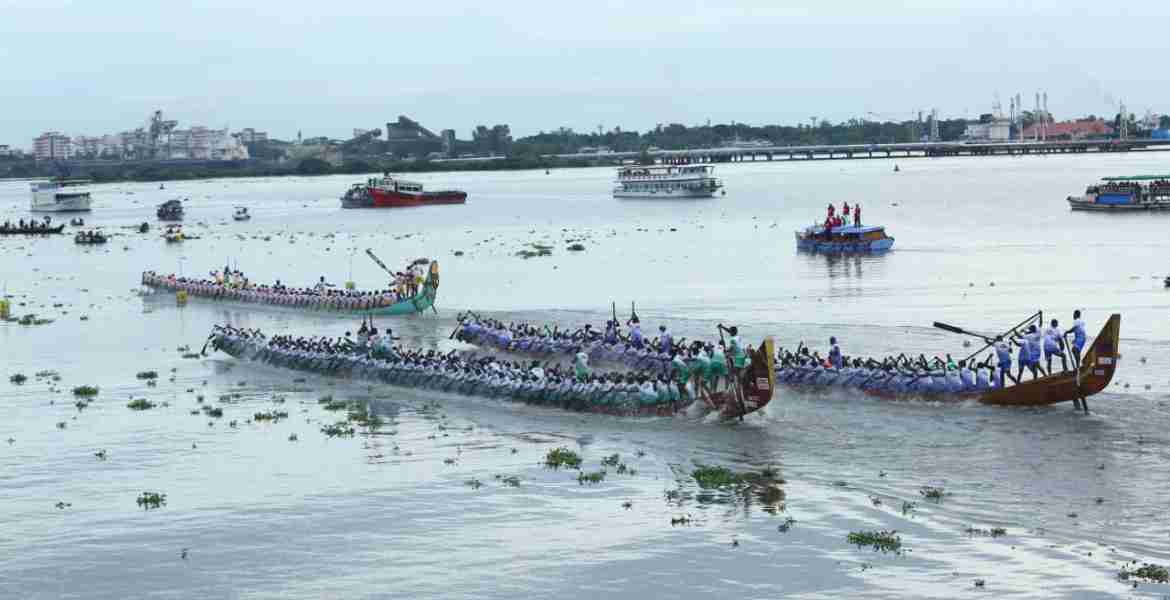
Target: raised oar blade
x,y
951,328
370,253
759,382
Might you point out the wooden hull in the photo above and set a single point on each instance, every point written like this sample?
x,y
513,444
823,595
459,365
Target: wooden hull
x,y
756,386
420,302
28,231
1096,371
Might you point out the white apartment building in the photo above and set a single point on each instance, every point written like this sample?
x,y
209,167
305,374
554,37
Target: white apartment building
x,y
52,145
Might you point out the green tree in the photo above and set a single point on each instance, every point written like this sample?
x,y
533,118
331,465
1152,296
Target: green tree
x,y
314,166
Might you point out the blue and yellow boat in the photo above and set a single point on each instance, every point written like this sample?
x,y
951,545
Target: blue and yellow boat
x,y
854,239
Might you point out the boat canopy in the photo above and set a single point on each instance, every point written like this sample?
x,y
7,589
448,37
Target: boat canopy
x,y
848,229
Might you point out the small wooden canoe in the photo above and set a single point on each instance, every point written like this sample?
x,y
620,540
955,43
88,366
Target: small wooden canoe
x,y
31,230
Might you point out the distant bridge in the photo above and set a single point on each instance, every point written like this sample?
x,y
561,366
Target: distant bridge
x,y
866,151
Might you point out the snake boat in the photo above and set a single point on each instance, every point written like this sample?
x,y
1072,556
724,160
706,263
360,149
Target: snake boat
x,y
31,230
749,393
345,303
1092,376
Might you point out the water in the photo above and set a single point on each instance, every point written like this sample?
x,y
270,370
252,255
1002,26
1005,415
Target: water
x,y
386,515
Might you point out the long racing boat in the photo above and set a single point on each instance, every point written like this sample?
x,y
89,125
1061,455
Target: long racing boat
x,y
322,300
1092,376
627,394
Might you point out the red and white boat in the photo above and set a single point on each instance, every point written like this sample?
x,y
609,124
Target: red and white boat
x,y
390,192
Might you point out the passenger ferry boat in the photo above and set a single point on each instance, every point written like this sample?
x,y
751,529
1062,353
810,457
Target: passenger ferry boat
x,y
1124,194
845,238
61,195
667,181
390,192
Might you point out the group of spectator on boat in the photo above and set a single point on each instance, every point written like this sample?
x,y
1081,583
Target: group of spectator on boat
x,y
833,219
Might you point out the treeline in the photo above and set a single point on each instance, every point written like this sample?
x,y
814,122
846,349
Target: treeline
x,y
680,137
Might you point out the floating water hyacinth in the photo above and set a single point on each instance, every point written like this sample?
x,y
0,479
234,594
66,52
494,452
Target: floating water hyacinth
x,y
140,404
1148,571
591,478
715,477
85,391
562,457
884,541
932,493
18,379
147,375
340,429
273,416
149,500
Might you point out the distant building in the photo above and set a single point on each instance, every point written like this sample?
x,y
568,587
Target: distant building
x,y
448,136
1071,130
990,130
357,133
52,145
7,151
251,136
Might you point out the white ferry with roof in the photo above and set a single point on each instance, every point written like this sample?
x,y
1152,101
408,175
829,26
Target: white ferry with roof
x,y
60,195
667,181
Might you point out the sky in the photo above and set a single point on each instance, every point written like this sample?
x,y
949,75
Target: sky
x,y
325,68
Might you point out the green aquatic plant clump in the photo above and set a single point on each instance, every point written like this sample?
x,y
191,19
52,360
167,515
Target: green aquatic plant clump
x,y
932,493
562,457
273,416
149,500
147,375
1148,571
85,391
340,429
884,541
591,478
140,404
716,477
18,379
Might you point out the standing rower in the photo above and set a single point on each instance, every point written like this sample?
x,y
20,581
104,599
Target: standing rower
x,y
1054,345
835,358
1078,333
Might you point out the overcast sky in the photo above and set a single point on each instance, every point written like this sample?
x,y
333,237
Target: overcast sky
x,y
327,67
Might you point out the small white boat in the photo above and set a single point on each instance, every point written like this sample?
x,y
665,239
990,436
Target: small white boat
x,y
241,214
666,181
61,195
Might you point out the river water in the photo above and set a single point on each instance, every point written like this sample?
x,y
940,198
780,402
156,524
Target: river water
x,y
981,243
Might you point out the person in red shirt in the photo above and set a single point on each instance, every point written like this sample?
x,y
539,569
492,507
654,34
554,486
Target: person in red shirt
x,y
845,211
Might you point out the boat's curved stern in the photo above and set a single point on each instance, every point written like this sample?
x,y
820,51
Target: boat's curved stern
x,y
758,384
1100,363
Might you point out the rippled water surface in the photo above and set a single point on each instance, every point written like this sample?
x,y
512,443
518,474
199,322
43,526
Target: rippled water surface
x,y
981,243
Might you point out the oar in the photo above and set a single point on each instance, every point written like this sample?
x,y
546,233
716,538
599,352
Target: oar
x,y
959,330
370,253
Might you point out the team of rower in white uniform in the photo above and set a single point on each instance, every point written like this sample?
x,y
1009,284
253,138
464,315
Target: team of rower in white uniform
x,y
899,374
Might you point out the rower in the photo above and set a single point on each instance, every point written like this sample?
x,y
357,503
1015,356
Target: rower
x,y
635,326
835,357
1078,333
665,340
1054,345
1003,352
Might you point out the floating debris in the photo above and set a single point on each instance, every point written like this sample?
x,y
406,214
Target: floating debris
x,y
148,375
85,391
683,520
884,541
474,484
578,247
786,525
63,505
292,437
101,454
18,379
